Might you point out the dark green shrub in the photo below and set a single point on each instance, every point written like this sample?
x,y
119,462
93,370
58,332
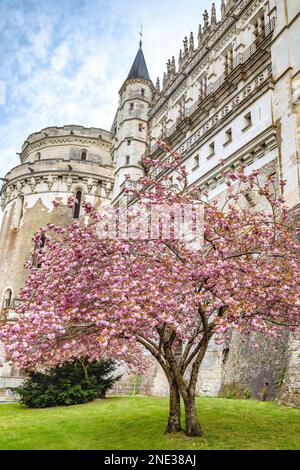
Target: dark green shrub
x,y
70,384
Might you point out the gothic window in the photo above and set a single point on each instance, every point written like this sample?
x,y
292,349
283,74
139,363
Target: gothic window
x,y
228,61
7,299
77,205
83,156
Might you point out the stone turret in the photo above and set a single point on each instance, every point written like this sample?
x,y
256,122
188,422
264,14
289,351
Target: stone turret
x,y
131,124
56,163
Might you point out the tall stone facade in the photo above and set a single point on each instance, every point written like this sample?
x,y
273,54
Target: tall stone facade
x,y
233,94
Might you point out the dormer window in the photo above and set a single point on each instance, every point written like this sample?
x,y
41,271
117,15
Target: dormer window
x,y
83,156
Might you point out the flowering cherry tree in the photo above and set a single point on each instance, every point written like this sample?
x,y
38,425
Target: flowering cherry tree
x,y
99,297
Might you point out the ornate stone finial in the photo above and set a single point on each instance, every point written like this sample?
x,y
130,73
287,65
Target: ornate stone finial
x,y
200,35
169,68
192,45
223,9
180,60
173,65
164,80
185,46
206,21
158,85
213,17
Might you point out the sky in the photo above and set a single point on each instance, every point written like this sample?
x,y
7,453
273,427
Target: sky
x,y
64,61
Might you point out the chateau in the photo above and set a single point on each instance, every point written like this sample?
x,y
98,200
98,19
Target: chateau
x,y
233,94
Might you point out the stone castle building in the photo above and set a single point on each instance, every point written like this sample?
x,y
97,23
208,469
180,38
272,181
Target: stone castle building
x,y
234,94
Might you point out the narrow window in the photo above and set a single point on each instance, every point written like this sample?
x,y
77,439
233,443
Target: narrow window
x,y
131,106
196,162
141,127
7,299
83,156
247,121
128,142
38,156
128,160
143,92
77,205
228,136
212,150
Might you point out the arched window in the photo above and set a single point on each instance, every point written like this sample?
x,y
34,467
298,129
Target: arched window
x,y
7,299
77,205
38,156
83,156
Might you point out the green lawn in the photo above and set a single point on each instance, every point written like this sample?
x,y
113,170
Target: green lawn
x,y
139,423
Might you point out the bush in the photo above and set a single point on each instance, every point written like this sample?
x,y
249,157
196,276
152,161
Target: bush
x,y
70,384
234,391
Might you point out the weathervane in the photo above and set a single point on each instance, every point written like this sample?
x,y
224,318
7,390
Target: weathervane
x,y
142,35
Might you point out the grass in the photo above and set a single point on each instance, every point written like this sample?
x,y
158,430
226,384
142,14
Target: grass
x,y
139,424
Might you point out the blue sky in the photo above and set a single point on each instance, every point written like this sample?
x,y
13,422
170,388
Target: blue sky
x,y
63,61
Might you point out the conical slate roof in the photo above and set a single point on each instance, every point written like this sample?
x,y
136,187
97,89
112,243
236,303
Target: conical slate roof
x,y
139,68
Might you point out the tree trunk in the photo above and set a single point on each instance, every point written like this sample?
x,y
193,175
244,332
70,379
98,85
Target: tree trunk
x,y
174,423
192,424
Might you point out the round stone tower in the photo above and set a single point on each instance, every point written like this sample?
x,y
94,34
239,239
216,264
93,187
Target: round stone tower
x,y
56,163
130,127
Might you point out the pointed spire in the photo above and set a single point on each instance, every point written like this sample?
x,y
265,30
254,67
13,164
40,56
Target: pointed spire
x,y
192,45
139,68
200,35
206,21
173,65
164,80
169,68
223,9
213,17
158,85
185,46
